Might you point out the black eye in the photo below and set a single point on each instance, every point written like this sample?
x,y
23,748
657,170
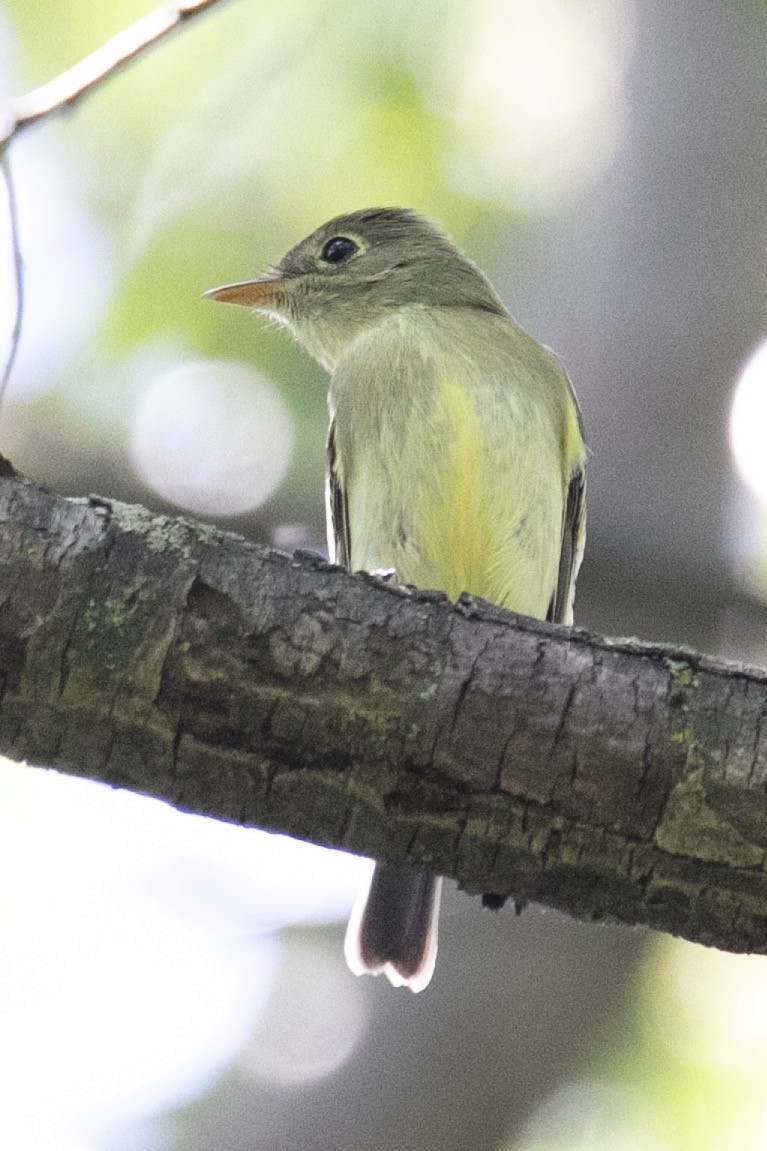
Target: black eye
x,y
338,250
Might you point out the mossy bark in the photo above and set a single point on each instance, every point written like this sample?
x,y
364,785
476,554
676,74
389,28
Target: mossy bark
x,y
604,777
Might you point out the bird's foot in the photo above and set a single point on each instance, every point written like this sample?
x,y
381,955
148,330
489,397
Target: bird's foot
x,y
388,575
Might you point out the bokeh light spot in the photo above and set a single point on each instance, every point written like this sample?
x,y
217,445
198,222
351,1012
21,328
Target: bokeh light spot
x,y
212,436
591,1115
126,983
541,100
748,423
315,1019
712,1004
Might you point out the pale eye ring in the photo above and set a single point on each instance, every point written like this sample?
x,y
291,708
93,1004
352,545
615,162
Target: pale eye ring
x,y
338,250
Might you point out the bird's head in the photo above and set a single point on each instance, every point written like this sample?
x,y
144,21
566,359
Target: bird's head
x,y
357,270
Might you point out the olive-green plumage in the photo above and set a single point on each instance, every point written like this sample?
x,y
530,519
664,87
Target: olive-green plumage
x,y
455,457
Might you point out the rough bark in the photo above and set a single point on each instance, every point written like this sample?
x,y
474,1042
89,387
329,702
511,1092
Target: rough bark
x,y
605,777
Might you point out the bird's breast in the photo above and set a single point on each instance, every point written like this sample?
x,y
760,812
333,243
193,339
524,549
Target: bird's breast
x,y
454,479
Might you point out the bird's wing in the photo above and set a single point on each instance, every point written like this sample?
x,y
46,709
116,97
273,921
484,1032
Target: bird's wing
x,y
573,539
339,546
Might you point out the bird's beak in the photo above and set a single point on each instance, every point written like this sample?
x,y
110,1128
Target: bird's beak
x,y
267,293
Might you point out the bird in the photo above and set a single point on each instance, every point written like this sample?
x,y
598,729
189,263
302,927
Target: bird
x,y
456,461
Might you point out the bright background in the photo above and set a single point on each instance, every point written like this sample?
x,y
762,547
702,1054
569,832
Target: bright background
x,y
175,984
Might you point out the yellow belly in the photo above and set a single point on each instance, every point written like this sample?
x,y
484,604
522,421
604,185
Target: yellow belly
x,y
468,499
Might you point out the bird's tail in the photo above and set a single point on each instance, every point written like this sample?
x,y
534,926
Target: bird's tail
x,y
393,927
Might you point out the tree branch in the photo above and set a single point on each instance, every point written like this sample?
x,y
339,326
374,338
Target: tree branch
x,y
61,93
604,777
70,86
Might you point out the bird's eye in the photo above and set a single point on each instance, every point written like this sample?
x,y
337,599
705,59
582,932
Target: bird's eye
x,y
338,250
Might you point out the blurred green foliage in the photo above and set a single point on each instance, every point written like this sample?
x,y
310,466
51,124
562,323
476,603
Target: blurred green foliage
x,y
214,152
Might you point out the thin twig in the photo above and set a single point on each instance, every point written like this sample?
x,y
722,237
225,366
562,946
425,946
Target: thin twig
x,y
65,90
61,93
18,268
